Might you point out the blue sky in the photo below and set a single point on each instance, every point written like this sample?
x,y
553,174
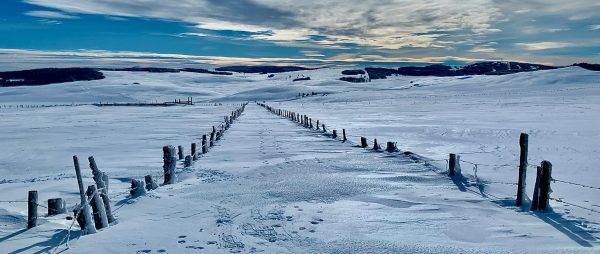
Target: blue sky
x,y
221,32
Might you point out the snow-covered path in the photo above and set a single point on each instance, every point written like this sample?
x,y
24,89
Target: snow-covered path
x,y
272,186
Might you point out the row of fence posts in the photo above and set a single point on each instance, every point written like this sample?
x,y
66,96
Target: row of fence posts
x,y
94,211
541,193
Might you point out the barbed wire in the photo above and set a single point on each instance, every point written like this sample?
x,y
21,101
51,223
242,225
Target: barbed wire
x,y
560,200
577,184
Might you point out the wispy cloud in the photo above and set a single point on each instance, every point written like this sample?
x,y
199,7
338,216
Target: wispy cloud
x,y
50,15
595,27
544,45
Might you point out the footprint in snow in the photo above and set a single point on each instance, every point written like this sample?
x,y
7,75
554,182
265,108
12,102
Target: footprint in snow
x,y
194,247
143,251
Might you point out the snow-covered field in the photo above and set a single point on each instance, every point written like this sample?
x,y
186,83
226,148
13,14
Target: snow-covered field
x,y
272,186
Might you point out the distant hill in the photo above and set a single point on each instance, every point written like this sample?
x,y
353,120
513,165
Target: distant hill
x,y
143,69
48,76
207,71
591,67
261,69
483,68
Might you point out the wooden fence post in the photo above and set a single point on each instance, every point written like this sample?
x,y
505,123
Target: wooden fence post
x,y
137,188
88,222
324,130
376,146
536,190
212,139
452,165
101,180
391,147
169,164
194,156
98,211
32,213
56,206
344,134
180,152
523,144
317,124
188,161
150,183
204,148
311,124
334,134
544,202
363,142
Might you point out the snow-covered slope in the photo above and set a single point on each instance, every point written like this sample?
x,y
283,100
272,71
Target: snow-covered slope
x,y
269,169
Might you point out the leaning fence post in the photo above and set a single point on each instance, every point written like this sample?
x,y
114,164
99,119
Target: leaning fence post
x,y
32,215
545,186
102,184
88,227
169,164
204,150
344,134
452,165
100,219
536,190
523,144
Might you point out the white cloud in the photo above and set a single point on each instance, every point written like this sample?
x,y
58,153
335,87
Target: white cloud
x,y
544,45
595,27
50,15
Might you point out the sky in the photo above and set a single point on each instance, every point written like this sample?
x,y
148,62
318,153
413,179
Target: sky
x,y
108,33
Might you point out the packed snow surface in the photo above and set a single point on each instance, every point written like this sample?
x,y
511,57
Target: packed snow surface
x,y
272,186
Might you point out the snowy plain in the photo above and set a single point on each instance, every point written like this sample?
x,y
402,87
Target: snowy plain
x,y
272,186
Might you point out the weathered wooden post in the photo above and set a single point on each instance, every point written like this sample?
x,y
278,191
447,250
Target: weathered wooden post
x,y
391,147
169,164
311,125
137,188
212,139
334,134
546,177
376,146
344,135
180,152
536,190
100,219
324,130
318,125
194,154
204,148
88,227
188,161
523,144
150,183
32,212
452,165
56,206
363,142
101,180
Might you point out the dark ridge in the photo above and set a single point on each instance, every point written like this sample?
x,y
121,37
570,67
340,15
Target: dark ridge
x,y
301,79
47,76
353,72
206,71
591,67
142,69
440,70
261,69
354,80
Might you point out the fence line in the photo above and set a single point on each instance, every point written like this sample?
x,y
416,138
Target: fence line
x,y
542,182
